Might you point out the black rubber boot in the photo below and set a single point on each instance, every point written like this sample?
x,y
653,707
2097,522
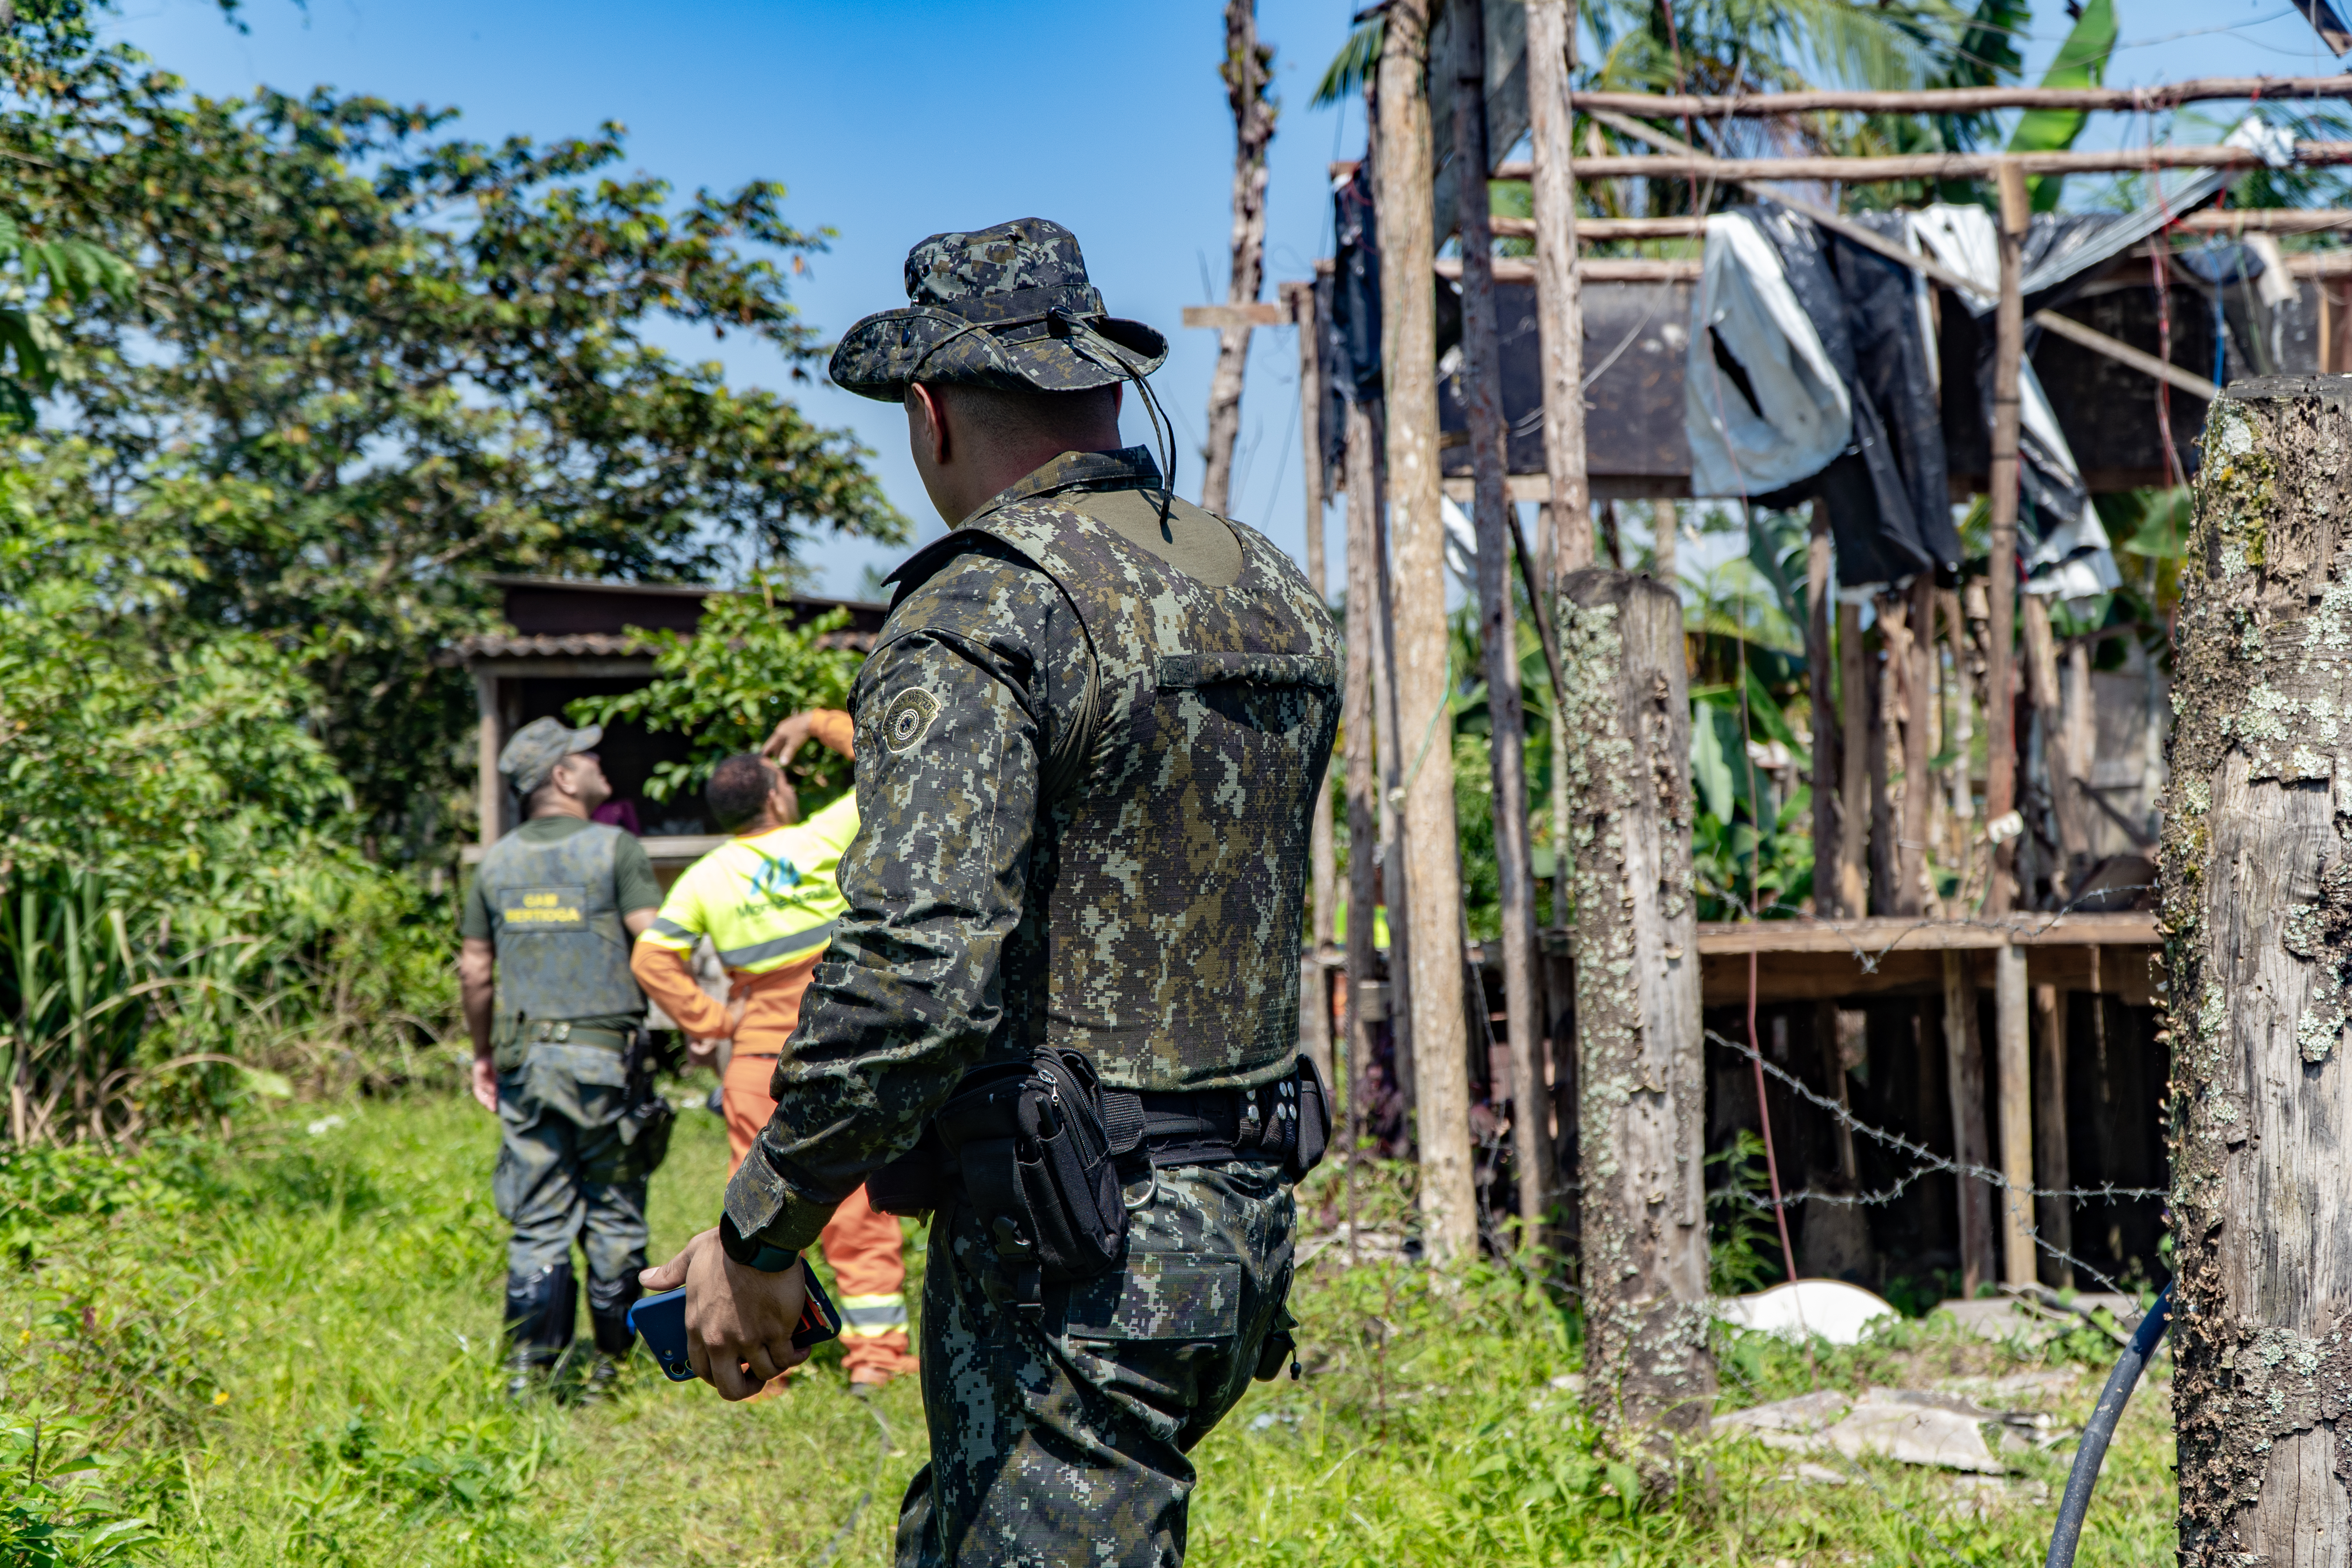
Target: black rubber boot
x,y
609,1301
541,1310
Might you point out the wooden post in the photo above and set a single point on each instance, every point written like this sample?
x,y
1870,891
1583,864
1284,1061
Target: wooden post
x,y
1246,71
1964,1069
1322,850
2066,802
490,788
1641,1083
1559,312
2016,1055
1828,899
2054,1214
2001,702
1854,762
1365,613
2257,880
1482,378
1389,737
1665,543
1434,871
1919,718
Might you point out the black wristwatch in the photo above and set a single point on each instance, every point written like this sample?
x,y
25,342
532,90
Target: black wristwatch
x,y
751,1253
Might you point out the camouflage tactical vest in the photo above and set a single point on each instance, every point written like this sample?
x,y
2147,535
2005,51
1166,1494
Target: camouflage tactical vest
x,y
555,924
1169,879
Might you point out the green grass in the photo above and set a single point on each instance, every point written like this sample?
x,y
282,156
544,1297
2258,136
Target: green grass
x,y
284,1350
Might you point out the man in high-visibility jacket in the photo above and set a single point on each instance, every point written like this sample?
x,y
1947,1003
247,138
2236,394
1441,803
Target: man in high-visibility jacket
x,y
768,901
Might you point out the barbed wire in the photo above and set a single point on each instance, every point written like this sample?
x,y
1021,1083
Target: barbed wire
x,y
1929,1163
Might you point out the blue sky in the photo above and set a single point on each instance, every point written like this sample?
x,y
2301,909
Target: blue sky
x,y
891,121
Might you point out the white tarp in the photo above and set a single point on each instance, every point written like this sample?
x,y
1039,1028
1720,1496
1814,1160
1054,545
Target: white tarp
x,y
1802,415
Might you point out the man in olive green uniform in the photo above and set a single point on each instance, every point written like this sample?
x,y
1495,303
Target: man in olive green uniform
x,y
1088,742
554,1012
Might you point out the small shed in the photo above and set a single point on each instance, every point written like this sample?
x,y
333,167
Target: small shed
x,y
569,639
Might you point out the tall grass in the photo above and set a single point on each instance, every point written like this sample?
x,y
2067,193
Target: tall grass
x,y
122,1002
285,1345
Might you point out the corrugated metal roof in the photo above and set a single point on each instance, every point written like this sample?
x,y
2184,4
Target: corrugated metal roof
x,y
590,645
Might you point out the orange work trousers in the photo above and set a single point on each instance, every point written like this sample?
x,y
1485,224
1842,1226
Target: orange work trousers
x,y
860,1243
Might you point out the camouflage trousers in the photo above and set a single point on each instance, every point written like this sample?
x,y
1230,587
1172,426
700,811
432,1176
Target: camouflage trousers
x,y
1061,1441
564,1170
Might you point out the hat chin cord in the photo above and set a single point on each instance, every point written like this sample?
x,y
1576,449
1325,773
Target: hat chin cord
x,y
1084,340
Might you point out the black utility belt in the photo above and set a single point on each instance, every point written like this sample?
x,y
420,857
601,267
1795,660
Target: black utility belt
x,y
563,1032
1052,1162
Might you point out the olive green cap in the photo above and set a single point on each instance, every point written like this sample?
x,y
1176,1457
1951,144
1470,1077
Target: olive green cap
x,y
538,746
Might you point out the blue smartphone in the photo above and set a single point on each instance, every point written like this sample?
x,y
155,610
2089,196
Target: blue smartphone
x,y
660,1321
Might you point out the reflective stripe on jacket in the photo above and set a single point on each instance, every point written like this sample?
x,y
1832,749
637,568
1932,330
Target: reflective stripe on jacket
x,y
769,905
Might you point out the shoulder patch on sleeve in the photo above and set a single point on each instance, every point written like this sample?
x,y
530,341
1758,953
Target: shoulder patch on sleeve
x,y
906,718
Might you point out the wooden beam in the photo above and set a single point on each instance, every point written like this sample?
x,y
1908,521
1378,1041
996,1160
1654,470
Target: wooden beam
x,y
1432,889
2016,1068
1559,308
2265,220
2054,1214
2320,263
1962,100
2147,363
1964,1070
1933,165
2206,220
1880,935
1263,314
1591,269
2009,354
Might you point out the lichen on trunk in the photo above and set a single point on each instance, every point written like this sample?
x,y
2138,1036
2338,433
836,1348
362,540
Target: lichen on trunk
x,y
1642,1097
2257,898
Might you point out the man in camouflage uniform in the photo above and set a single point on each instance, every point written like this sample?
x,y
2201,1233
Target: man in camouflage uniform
x,y
543,975
1088,742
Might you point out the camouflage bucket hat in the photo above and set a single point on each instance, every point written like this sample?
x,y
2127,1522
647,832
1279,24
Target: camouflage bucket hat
x,y
1007,308
538,746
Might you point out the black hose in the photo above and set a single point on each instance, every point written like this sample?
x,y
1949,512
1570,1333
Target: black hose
x,y
2092,1451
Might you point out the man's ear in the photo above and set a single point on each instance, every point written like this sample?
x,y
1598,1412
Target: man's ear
x,y
927,415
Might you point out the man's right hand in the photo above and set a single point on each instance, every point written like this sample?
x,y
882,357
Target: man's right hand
x,y
486,1083
740,1322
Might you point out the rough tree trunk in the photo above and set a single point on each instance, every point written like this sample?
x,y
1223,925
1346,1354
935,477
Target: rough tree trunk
x,y
1642,1095
1441,1054
1247,69
2257,879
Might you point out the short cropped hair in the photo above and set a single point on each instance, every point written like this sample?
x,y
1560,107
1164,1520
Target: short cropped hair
x,y
1026,415
739,790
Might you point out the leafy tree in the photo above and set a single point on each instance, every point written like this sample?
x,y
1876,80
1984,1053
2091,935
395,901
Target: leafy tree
x,y
365,365
726,686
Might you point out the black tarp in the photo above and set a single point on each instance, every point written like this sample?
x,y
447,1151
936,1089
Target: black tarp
x,y
1888,495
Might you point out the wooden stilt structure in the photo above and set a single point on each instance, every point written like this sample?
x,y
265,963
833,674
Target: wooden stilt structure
x,y
1434,869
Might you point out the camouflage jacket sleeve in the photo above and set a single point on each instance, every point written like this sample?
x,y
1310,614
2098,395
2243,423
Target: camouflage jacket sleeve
x,y
978,674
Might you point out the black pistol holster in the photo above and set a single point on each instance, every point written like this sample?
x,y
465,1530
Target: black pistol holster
x,y
1051,1161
